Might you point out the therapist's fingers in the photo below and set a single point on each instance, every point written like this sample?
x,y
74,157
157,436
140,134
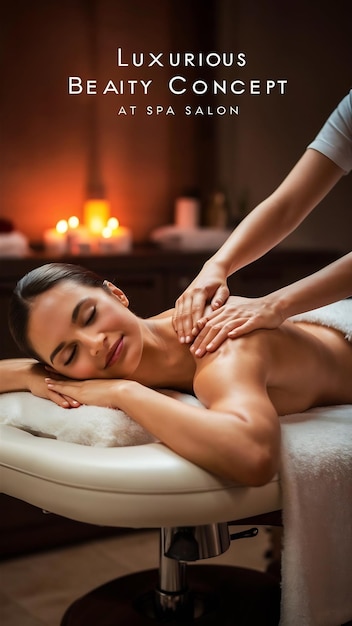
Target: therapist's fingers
x,y
217,326
210,338
237,318
188,309
220,297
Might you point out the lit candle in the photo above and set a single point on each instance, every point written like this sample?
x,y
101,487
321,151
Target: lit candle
x,y
96,215
62,227
80,240
115,238
73,222
113,223
55,239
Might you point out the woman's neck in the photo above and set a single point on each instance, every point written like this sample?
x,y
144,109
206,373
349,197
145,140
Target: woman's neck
x,y
165,362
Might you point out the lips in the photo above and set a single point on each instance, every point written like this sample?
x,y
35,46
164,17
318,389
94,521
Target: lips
x,y
114,353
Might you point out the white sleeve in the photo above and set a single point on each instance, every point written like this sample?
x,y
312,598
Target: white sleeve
x,y
335,138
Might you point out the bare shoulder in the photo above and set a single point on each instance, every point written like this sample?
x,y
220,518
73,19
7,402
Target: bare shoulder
x,y
237,367
163,315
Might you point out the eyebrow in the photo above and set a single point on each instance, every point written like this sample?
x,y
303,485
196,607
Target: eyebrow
x,y
74,317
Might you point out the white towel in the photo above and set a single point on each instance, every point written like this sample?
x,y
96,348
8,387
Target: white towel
x,y
87,425
316,479
337,315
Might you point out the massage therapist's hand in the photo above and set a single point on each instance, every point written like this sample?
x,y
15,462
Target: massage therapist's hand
x,y
209,286
96,392
238,317
37,373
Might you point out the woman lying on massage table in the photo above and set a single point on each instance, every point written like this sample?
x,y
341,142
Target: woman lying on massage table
x,y
70,320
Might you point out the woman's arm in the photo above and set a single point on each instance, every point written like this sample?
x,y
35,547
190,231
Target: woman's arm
x,y
29,375
236,437
271,221
19,374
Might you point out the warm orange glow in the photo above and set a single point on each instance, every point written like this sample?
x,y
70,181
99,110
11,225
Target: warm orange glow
x,y
114,241
73,221
113,223
62,226
106,232
96,215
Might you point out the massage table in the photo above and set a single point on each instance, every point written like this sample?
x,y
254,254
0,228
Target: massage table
x,y
149,486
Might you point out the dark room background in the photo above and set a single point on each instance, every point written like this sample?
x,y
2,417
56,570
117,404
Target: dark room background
x,y
145,162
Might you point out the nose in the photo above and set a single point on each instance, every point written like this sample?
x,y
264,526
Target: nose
x,y
95,342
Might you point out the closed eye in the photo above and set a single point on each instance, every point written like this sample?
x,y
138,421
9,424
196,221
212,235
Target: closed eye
x,y
91,316
72,356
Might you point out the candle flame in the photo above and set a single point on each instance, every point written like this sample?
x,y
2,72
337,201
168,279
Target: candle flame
x,y
73,221
62,226
113,223
106,232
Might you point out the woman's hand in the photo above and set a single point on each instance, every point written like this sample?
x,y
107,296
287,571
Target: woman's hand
x,y
96,392
209,285
37,373
238,317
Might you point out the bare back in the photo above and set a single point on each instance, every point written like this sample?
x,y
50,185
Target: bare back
x,y
296,366
311,366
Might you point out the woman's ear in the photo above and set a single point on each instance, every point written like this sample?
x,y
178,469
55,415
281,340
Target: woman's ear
x,y
117,292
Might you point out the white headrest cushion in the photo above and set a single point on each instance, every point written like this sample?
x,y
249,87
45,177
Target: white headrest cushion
x,y
87,425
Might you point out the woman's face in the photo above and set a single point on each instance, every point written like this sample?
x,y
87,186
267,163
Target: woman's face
x,y
86,332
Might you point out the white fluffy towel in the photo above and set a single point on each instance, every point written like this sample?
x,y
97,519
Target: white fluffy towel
x,y
337,315
87,425
316,479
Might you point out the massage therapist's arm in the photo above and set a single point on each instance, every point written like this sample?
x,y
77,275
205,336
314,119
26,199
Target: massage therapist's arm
x,y
236,437
242,315
269,223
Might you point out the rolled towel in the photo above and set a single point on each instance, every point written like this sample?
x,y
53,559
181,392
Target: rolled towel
x,y
337,315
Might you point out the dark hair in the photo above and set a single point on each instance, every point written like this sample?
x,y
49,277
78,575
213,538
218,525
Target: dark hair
x,y
35,283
